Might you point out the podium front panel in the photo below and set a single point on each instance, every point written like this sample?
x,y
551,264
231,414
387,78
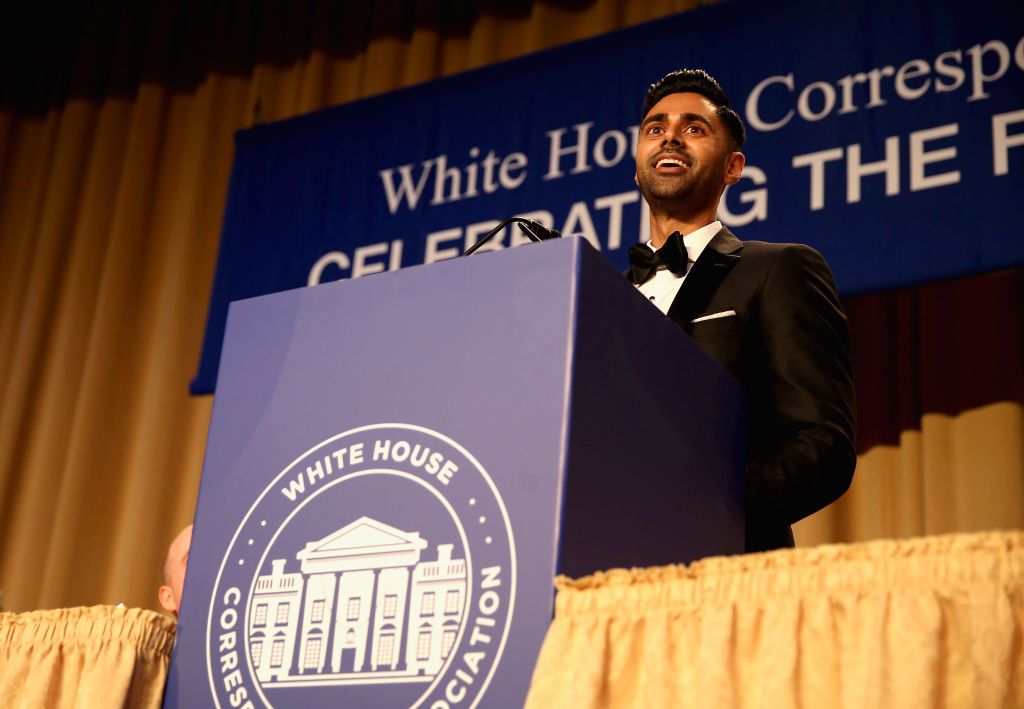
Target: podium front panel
x,y
385,484
374,443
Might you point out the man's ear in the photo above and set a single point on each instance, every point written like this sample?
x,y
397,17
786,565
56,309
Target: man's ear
x,y
636,180
734,167
167,599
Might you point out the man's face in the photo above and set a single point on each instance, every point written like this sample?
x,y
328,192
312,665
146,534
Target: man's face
x,y
683,155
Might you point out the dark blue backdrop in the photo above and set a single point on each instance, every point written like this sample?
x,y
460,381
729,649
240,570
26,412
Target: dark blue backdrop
x,y
888,135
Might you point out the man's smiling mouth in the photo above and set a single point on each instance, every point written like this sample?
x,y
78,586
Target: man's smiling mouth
x,y
671,164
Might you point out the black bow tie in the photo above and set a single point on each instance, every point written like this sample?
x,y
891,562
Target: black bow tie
x,y
643,262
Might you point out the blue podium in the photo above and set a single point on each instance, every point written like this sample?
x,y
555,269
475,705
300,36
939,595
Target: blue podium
x,y
398,466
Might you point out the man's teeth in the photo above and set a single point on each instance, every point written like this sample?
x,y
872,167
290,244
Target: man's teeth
x,y
668,162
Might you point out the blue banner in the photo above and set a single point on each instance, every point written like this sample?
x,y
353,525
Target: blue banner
x,y
888,135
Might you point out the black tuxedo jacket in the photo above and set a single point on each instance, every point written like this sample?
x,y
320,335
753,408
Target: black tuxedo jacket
x,y
788,345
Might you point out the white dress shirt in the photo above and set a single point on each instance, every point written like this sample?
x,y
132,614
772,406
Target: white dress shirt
x,y
663,287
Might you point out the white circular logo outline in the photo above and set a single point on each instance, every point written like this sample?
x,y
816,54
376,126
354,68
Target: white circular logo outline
x,y
351,432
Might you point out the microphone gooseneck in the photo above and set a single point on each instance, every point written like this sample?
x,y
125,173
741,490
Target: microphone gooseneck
x,y
535,231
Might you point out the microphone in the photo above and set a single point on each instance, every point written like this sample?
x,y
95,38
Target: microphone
x,y
535,231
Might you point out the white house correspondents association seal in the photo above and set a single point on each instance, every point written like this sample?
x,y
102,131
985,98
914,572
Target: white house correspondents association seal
x,y
377,569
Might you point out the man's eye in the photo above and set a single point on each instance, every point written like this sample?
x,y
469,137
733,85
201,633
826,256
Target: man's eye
x,y
695,128
655,130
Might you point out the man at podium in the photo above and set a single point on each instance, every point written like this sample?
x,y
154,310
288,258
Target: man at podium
x,y
767,312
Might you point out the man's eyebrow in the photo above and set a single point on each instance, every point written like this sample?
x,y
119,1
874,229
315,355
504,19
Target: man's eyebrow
x,y
686,117
654,117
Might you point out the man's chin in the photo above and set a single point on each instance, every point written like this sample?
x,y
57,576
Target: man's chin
x,y
665,195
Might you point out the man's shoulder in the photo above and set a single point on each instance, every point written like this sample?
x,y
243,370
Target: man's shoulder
x,y
773,247
766,252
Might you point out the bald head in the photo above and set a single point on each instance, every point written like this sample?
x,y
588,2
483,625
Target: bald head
x,y
174,570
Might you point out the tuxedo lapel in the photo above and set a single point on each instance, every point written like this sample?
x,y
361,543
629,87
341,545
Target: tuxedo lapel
x,y
713,265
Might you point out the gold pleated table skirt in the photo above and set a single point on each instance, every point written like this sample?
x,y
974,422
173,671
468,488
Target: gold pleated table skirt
x,y
929,622
84,658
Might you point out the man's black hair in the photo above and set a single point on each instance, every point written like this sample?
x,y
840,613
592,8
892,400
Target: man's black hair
x,y
698,81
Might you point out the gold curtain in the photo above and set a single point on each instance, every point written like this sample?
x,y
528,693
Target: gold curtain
x,y
110,216
930,622
92,658
956,473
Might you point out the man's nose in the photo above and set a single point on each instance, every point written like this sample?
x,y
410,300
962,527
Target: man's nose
x,y
672,136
